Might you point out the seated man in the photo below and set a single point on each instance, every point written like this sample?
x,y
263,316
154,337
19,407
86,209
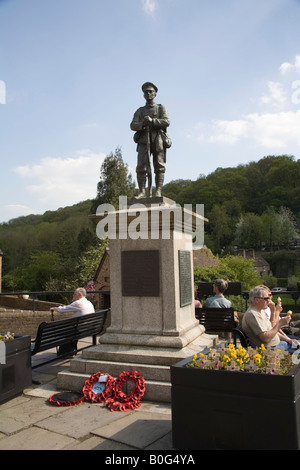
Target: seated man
x,y
80,305
258,327
218,300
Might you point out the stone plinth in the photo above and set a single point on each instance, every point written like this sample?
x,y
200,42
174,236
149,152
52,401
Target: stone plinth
x,y
152,290
148,277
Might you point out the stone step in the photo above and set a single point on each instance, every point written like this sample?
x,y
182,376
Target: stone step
x,y
147,355
153,363
155,390
151,372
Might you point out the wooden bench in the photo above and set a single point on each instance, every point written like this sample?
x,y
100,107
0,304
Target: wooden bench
x,y
56,333
239,334
216,319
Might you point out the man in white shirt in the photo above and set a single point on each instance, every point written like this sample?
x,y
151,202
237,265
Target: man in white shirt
x,y
80,304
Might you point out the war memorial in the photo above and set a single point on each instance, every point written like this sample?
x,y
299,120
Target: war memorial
x,y
152,324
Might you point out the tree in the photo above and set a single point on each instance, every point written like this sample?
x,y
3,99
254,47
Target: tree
x,y
287,233
114,181
172,189
219,226
89,262
234,268
249,231
34,276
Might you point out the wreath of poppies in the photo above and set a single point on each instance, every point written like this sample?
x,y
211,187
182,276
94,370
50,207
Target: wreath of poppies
x,y
122,401
113,394
91,395
66,398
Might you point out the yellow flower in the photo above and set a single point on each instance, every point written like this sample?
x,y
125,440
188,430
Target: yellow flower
x,y
226,358
257,358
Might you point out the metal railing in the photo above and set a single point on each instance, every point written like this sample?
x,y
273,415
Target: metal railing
x,y
35,296
205,289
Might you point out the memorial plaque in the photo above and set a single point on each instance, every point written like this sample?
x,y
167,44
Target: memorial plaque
x,y
140,273
185,278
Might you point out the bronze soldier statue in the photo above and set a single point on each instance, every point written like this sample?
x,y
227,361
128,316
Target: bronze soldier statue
x,y
150,123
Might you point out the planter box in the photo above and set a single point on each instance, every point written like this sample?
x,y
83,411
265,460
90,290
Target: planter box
x,y
219,409
15,374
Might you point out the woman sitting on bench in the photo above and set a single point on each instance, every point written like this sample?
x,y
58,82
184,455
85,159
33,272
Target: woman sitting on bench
x,y
218,300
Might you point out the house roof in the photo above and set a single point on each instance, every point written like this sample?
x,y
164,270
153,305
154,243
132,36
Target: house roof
x,y
205,258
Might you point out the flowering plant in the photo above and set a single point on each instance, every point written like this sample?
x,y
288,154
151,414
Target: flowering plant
x,y
90,286
261,360
7,336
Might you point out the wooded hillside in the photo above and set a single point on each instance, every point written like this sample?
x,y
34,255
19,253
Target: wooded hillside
x,y
253,206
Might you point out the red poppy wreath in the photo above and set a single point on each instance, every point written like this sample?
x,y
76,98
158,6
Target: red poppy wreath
x,y
66,398
121,401
97,391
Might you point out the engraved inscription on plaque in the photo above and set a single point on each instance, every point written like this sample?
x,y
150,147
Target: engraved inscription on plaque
x,y
140,273
185,278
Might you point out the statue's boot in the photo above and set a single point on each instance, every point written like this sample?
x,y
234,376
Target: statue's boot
x,y
159,181
142,186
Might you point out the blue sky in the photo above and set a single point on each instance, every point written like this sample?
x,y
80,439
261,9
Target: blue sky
x,y
71,72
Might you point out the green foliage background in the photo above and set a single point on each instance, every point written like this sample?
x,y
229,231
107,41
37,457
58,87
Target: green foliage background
x,y
251,206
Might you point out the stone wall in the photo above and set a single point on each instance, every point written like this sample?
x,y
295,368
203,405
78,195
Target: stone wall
x,y
19,303
17,314
25,321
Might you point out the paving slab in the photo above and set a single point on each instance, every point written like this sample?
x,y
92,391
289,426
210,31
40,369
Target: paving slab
x,y
139,429
79,420
30,422
25,414
165,443
18,400
155,407
97,443
42,391
34,438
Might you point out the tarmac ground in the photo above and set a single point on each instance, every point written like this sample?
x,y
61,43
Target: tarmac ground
x,y
30,422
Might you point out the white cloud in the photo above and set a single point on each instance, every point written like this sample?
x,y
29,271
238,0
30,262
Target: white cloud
x,y
271,130
149,6
58,182
287,67
229,131
276,95
276,130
